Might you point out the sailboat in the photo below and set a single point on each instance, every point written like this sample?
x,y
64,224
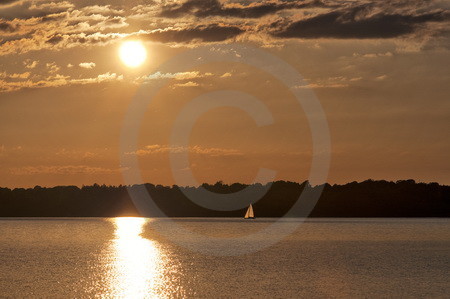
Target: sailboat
x,y
249,214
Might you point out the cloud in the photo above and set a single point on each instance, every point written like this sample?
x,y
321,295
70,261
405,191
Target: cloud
x,y
52,67
75,154
364,21
52,81
7,27
17,81
321,85
205,8
6,2
381,78
5,75
26,9
330,82
31,64
52,6
106,77
63,170
57,42
20,76
57,30
56,25
103,10
57,39
373,55
161,149
201,33
176,76
187,84
87,65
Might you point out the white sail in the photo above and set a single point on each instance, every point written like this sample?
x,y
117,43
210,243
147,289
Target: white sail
x,y
249,213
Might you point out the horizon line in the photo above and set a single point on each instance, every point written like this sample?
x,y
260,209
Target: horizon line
x,y
230,184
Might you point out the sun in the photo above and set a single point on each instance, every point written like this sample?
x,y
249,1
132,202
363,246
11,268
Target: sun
x,y
132,53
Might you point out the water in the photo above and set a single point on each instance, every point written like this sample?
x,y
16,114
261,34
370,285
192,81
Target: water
x,y
128,257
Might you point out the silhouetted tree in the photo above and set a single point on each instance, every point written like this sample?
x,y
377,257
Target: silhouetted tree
x,y
369,198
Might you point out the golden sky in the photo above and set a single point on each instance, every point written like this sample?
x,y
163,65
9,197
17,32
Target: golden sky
x,y
378,68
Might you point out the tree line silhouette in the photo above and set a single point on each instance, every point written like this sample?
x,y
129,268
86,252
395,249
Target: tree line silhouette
x,y
357,199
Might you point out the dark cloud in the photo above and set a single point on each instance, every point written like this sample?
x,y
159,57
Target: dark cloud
x,y
72,40
209,33
54,17
55,39
7,27
98,25
205,8
4,2
356,22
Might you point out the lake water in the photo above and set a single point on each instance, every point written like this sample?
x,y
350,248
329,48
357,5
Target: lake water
x,y
137,257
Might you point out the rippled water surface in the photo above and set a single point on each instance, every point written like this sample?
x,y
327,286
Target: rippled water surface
x,y
137,257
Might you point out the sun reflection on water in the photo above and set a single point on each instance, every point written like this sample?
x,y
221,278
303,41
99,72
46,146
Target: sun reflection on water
x,y
137,268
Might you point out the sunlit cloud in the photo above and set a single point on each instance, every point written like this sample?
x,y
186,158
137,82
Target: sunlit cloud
x,y
187,84
63,170
106,77
31,64
381,78
373,55
161,149
50,6
87,65
52,67
102,9
5,75
56,80
76,154
47,25
178,76
330,82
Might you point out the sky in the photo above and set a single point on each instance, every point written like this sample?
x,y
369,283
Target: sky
x,y
379,70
